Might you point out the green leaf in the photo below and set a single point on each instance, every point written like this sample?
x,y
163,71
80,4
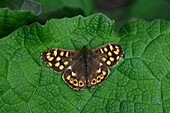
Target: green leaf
x,y
146,66
11,20
65,8
28,5
85,5
139,83
148,9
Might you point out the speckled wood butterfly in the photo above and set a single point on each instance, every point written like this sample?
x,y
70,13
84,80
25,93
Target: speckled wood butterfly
x,y
83,68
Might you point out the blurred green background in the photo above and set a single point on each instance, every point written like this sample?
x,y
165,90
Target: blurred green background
x,y
122,11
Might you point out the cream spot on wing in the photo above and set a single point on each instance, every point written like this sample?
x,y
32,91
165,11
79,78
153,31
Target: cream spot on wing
x,y
50,64
118,57
48,57
116,47
57,64
61,53
111,59
61,67
70,67
109,53
66,63
116,52
104,73
108,62
101,51
88,81
51,58
48,54
58,58
99,70
73,74
55,53
103,59
101,76
111,47
67,54
68,77
71,80
101,64
105,49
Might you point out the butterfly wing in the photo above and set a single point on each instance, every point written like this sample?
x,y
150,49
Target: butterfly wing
x,y
59,59
70,62
74,75
97,72
108,54
102,58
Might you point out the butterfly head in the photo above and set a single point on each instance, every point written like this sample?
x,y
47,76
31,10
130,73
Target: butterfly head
x,y
84,52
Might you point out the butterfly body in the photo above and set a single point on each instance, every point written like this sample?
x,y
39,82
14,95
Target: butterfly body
x,y
83,68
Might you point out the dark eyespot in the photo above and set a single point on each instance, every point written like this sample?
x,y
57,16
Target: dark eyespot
x,y
75,82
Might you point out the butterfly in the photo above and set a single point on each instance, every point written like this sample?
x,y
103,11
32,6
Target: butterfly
x,y
83,68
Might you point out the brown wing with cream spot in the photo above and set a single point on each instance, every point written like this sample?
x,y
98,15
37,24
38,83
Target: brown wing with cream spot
x,y
74,75
100,60
108,54
59,59
96,71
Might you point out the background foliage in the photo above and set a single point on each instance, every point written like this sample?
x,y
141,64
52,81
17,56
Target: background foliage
x,y
139,83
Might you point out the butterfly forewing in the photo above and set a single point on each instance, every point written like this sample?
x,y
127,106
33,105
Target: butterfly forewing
x,y
74,75
108,54
59,59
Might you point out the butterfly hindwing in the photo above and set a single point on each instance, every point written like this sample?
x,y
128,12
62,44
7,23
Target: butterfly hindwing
x,y
74,75
97,73
59,59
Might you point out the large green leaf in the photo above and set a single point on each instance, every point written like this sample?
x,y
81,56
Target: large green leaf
x,y
65,8
11,20
146,66
139,83
53,5
27,5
